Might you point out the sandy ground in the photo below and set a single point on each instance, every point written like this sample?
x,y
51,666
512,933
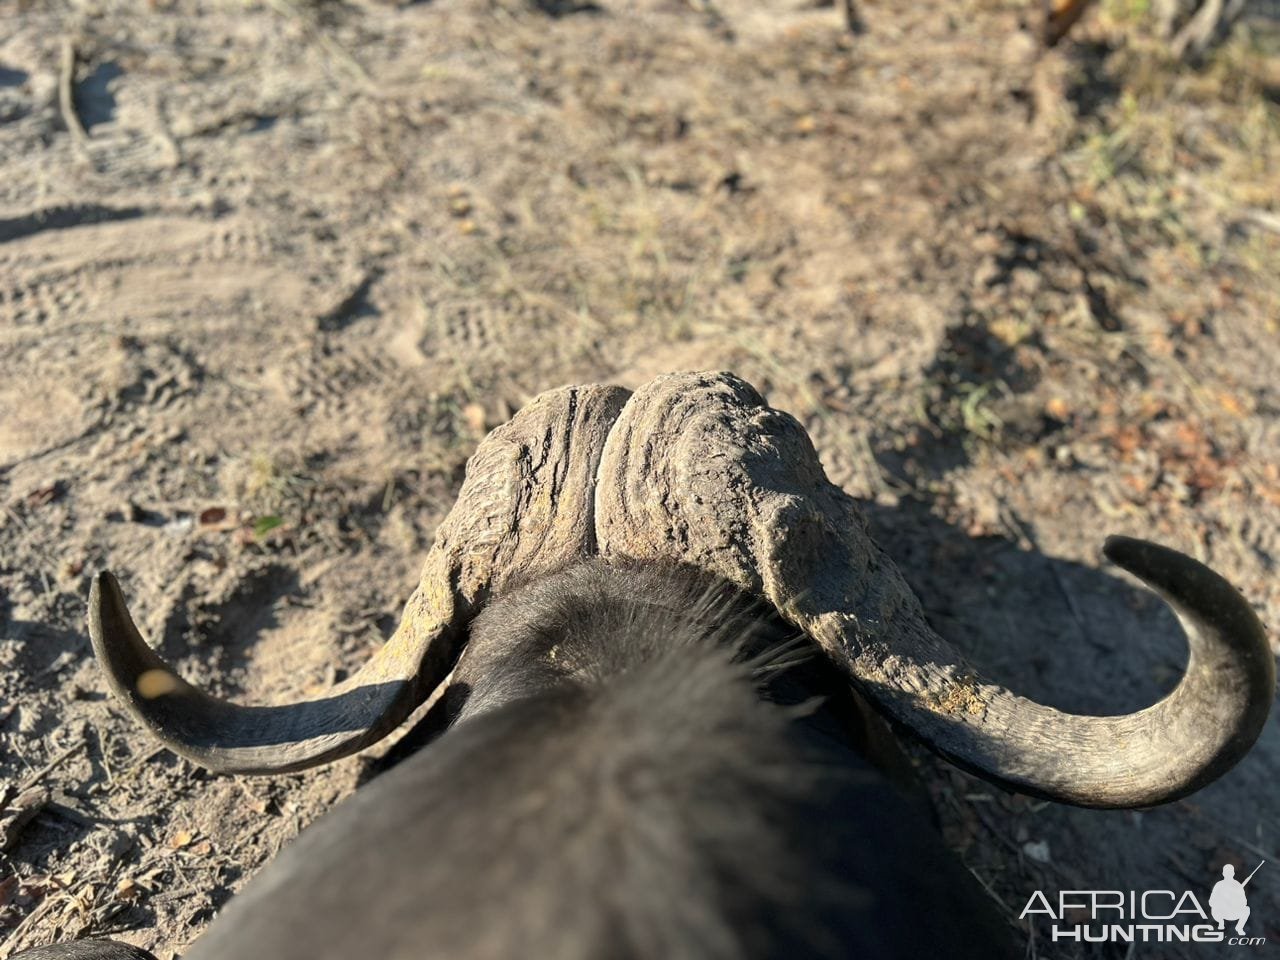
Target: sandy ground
x,y
269,270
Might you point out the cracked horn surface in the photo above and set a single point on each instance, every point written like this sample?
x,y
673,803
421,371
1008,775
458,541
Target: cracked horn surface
x,y
699,469
525,507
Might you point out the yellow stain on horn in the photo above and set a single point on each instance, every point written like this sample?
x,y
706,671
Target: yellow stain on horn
x,y
156,683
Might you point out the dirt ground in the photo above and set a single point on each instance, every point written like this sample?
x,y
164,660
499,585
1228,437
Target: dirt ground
x,y
268,270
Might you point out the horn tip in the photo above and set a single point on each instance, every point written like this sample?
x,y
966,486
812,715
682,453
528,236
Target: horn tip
x,y
1117,547
1152,562
103,580
104,593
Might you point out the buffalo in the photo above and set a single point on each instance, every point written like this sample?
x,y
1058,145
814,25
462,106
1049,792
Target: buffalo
x,y
661,650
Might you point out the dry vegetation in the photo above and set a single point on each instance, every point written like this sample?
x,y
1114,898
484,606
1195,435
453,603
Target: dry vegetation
x,y
268,270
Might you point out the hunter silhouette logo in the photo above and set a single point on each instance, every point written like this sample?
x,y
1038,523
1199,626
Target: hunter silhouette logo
x,y
1228,900
1149,916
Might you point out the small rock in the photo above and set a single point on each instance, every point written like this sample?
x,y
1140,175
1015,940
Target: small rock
x,y
60,662
29,720
180,524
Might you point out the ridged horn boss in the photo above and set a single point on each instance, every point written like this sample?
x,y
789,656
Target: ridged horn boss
x,y
696,468
524,508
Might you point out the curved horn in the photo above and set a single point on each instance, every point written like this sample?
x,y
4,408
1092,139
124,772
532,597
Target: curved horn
x,y
229,737
524,508
697,465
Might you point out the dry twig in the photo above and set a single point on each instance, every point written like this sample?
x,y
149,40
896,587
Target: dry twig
x,y
66,94
52,765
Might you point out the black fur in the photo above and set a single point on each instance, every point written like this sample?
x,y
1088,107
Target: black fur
x,y
637,763
637,770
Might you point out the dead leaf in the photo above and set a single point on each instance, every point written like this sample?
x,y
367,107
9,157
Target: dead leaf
x,y
1205,474
43,495
1270,494
473,416
1151,406
1232,404
213,517
1137,483
1127,439
1190,438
